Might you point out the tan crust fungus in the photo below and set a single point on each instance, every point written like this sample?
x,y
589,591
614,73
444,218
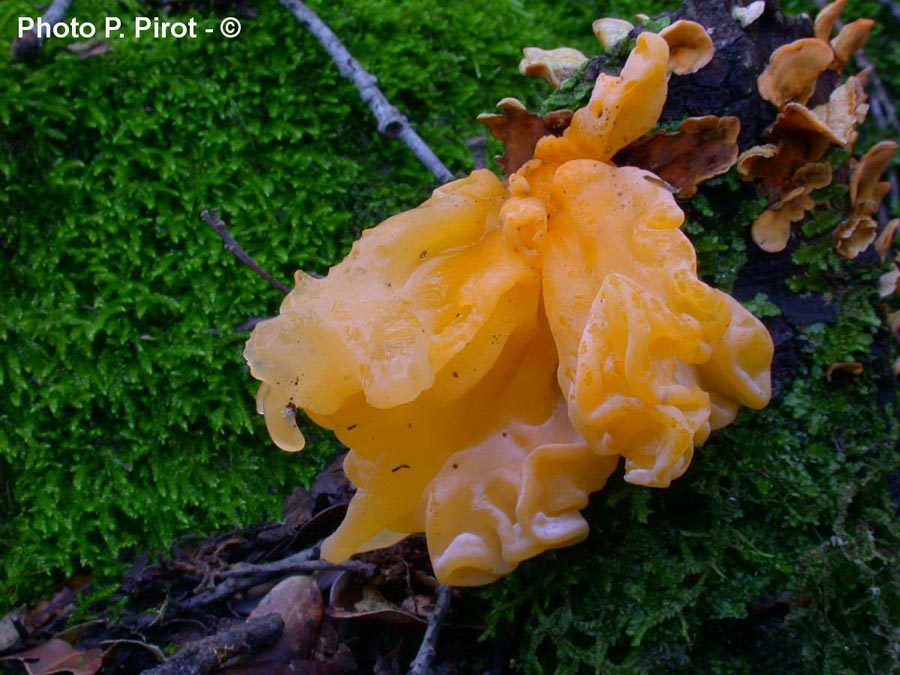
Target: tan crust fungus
x,y
747,15
845,368
611,31
855,235
690,47
554,66
885,241
793,70
845,110
772,230
850,40
826,18
866,190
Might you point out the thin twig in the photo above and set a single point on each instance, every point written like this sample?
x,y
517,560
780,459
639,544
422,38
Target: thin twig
x,y
212,219
295,565
244,576
421,665
28,46
478,146
208,654
391,122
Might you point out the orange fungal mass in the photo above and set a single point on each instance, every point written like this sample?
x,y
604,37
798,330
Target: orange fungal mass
x,y
490,356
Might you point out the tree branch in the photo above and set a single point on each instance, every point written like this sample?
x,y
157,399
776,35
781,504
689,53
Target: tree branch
x,y
296,564
27,47
208,654
421,665
212,219
391,122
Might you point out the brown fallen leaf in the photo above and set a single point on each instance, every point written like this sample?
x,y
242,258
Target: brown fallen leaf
x,y
57,656
702,147
351,598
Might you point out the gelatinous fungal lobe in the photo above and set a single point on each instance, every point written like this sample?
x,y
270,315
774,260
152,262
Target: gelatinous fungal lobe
x,y
516,493
406,350
488,356
651,358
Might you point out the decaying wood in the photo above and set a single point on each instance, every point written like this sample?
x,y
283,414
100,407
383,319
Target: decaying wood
x,y
210,653
391,122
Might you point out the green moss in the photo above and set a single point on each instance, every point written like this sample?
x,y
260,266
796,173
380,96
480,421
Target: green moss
x,y
126,414
762,307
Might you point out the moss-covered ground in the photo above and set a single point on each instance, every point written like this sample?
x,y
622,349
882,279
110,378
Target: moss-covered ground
x,y
126,413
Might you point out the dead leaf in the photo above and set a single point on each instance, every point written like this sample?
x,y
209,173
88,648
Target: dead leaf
x,y
351,598
299,603
57,656
110,646
702,147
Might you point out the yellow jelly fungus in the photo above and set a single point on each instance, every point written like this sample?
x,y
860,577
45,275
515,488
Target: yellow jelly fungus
x,y
490,355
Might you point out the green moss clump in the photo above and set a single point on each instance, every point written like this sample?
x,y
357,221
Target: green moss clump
x,y
126,411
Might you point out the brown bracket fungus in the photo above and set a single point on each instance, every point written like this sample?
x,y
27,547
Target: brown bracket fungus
x,y
611,31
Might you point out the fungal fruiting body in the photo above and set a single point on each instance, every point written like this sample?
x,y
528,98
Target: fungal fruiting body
x,y
489,356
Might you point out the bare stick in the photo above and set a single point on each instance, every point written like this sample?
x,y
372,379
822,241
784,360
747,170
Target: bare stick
x,y
27,47
208,654
478,146
212,219
244,576
421,665
295,564
391,122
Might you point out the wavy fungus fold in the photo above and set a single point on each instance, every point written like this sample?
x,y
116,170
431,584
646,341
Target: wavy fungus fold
x,y
489,356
